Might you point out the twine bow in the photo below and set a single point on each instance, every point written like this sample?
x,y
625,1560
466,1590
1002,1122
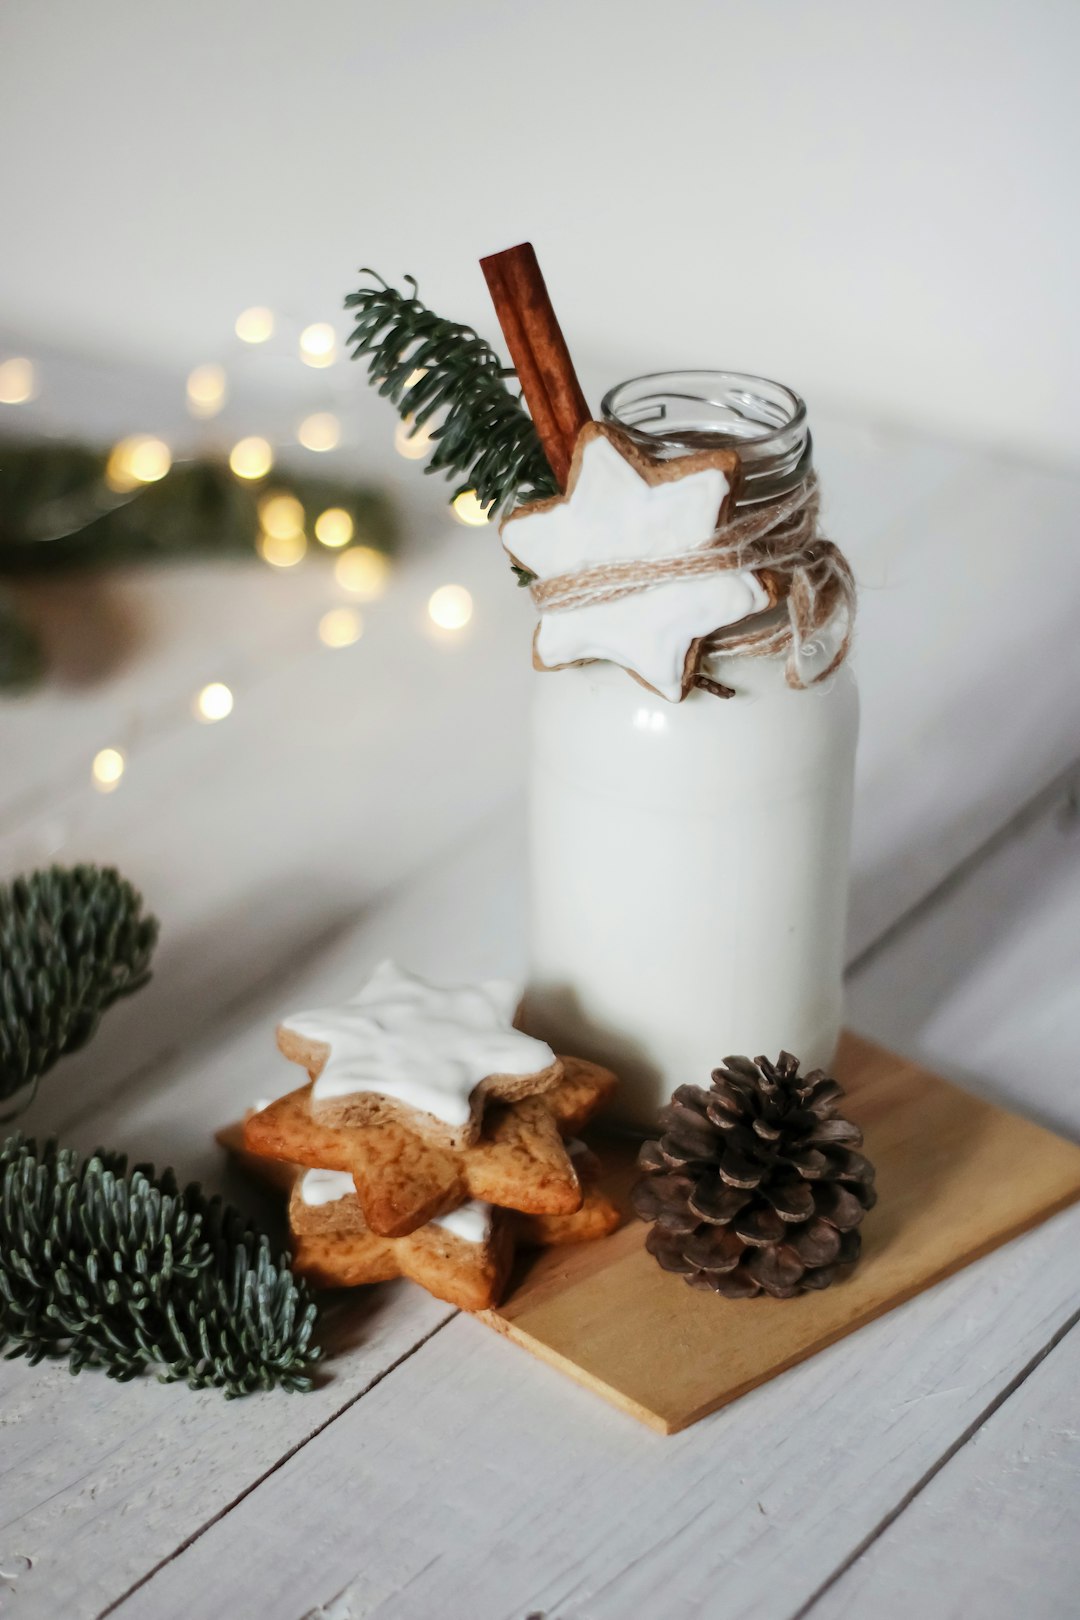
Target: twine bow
x,y
780,542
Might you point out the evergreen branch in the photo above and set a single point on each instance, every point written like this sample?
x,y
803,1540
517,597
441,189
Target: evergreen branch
x,y
121,1270
484,437
72,941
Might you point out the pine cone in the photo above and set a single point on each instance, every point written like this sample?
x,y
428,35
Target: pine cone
x,y
755,1186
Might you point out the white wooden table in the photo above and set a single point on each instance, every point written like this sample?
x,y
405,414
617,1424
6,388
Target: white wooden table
x,y
367,801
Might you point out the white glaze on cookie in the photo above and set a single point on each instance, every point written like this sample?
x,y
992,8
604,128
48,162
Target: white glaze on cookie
x,y
319,1187
471,1222
613,514
422,1045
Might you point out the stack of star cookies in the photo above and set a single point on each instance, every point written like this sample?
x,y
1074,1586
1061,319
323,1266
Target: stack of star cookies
x,y
431,1138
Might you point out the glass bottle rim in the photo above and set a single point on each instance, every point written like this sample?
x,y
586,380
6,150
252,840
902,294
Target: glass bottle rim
x,y
672,412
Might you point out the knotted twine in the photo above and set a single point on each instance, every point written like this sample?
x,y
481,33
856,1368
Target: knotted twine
x,y
806,572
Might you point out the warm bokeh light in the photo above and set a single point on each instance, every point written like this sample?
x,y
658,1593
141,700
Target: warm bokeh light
x,y
282,516
363,572
282,550
214,702
467,509
320,432
138,460
206,390
450,607
251,458
410,441
414,376
340,627
255,325
17,381
334,527
318,344
107,769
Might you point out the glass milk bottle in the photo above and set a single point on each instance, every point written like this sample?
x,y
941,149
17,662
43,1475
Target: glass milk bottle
x,y
689,861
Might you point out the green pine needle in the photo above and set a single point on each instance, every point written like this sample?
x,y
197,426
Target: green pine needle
x,y
105,1267
483,436
72,941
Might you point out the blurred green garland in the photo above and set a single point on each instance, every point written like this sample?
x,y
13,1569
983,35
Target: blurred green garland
x,y
57,512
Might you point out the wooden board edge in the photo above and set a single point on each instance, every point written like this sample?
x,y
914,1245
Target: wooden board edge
x,y
659,1424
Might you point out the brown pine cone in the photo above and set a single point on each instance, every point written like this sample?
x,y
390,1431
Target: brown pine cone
x,y
755,1186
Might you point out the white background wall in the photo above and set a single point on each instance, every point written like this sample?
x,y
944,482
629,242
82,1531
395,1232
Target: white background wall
x,y
874,202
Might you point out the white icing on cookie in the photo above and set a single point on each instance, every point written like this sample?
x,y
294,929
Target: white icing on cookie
x,y
613,514
422,1045
325,1186
471,1222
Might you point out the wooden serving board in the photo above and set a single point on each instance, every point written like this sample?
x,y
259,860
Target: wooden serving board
x,y
956,1177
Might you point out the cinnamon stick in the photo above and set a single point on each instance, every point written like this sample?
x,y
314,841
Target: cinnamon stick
x,y
539,353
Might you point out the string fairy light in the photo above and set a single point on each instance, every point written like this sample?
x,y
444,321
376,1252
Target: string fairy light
x,y
318,344
320,432
107,769
18,381
206,388
214,702
450,607
281,516
340,627
363,572
255,325
281,550
251,457
467,509
334,527
410,441
140,459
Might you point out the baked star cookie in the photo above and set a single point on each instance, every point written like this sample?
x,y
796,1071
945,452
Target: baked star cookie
x,y
404,1180
617,543
463,1257
407,1052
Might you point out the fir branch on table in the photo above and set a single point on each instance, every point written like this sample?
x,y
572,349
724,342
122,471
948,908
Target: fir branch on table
x,y
124,1271
484,436
72,941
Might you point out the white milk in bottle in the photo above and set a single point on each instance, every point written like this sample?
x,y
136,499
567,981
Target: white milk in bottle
x,y
689,860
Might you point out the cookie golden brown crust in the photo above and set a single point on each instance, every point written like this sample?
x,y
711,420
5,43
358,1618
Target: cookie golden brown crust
x,y
520,1161
361,1108
471,1276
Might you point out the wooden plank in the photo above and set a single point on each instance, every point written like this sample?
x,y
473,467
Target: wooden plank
x,y
609,1317
477,1481
994,1533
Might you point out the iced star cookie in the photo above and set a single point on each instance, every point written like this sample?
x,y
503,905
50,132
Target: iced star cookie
x,y
408,1052
404,1180
626,563
463,1257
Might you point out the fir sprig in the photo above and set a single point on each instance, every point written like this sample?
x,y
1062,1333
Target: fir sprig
x,y
432,368
123,1270
72,941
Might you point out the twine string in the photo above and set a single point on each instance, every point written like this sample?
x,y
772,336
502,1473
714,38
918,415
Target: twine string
x,y
807,573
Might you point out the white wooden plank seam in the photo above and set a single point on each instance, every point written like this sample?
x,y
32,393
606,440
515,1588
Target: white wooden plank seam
x,y
285,1458
957,1445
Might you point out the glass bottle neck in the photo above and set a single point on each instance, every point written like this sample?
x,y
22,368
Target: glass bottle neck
x,y
670,413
